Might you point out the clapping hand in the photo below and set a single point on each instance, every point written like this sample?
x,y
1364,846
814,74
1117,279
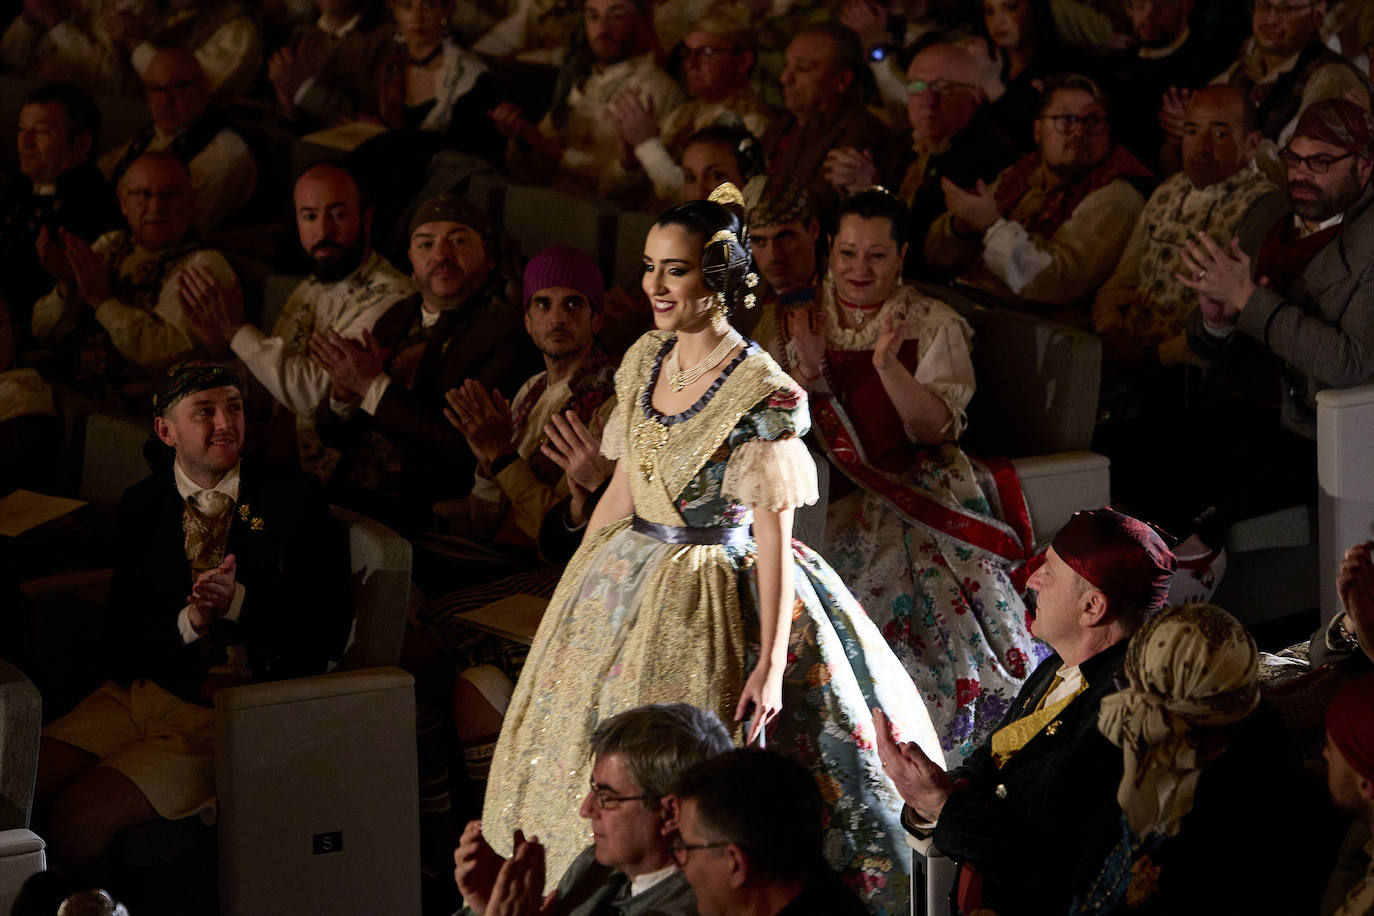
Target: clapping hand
x,y
212,594
352,365
1173,114
805,328
889,342
1221,280
577,450
484,419
850,170
509,120
635,119
868,20
921,782
476,865
53,256
972,211
213,310
89,272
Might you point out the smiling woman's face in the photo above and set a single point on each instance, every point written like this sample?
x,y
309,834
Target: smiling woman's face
x,y
673,280
865,261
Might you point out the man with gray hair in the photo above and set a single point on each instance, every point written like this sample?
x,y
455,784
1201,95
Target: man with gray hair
x,y
638,756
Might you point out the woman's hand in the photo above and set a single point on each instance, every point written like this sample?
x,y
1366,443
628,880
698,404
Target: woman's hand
x,y
760,700
806,329
889,342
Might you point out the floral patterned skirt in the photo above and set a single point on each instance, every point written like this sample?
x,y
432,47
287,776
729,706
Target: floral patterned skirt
x,y
949,611
640,621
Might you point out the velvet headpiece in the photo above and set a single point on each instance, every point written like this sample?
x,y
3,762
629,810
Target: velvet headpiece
x,y
1122,556
1350,723
1339,122
188,378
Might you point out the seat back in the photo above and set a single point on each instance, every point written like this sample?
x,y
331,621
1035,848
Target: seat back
x,y
537,218
21,717
114,458
1037,381
379,563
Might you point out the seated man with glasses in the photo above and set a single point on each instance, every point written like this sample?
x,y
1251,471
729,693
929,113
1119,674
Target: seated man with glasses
x,y
637,756
750,828
223,171
1047,234
1307,296
950,136
1285,67
116,307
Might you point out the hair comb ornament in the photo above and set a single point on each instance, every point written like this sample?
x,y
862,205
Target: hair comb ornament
x,y
727,195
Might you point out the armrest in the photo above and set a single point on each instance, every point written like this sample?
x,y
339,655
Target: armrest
x,y
1057,485
1345,440
67,583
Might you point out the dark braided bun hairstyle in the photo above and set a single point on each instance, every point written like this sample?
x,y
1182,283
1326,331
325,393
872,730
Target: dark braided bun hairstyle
x,y
726,261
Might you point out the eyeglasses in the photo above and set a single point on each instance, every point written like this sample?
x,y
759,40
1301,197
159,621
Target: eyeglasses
x,y
680,849
941,87
607,801
1064,123
1317,164
706,52
147,195
1282,9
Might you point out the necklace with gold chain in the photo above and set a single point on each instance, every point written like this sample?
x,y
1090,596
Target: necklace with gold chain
x,y
679,378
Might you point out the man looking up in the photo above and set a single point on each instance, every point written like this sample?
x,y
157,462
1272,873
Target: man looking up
x,y
458,326
1046,235
637,756
59,126
1046,779
348,290
223,172
116,305
822,93
266,573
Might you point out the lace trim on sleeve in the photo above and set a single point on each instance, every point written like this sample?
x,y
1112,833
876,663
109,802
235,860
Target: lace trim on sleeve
x,y
771,474
613,435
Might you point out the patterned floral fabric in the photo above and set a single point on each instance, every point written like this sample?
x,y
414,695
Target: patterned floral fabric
x,y
948,609
636,620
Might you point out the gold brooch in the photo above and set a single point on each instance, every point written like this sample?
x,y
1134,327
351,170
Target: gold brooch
x,y
1053,727
255,524
244,511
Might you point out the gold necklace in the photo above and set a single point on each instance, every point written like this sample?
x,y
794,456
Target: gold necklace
x,y
681,378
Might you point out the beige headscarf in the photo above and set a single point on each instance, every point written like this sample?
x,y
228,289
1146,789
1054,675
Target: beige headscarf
x,y
1190,667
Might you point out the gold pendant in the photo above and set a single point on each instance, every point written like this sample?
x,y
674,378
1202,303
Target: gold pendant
x,y
649,438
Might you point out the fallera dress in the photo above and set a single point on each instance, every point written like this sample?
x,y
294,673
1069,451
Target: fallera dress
x,y
927,539
663,608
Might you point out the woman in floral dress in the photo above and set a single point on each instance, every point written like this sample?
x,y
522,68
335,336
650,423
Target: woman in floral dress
x,y
672,596
925,539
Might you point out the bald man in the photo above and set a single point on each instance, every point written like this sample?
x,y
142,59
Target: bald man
x,y
223,173
950,136
116,302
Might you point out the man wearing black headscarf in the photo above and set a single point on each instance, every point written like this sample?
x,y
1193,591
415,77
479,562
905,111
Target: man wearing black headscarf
x,y
225,572
1032,813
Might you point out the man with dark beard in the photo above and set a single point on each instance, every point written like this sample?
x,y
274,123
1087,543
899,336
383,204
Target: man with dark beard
x,y
350,288
458,326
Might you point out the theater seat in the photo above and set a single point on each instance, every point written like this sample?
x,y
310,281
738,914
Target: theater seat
x,y
21,850
1345,498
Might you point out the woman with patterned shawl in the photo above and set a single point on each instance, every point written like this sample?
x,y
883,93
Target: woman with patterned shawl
x,y
1206,768
920,538
674,597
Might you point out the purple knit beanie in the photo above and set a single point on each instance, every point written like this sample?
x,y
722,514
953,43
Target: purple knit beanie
x,y
562,265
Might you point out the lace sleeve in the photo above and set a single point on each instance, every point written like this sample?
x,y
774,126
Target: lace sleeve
x,y
946,369
613,435
771,474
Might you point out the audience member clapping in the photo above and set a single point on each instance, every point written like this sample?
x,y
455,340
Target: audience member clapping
x,y
223,172
349,289
1020,37
117,307
316,76
577,143
223,35
633,864
951,136
822,90
55,40
60,190
1051,229
718,55
750,825
1199,747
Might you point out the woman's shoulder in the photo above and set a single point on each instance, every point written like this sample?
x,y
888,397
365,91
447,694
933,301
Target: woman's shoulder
x,y
773,375
925,314
648,345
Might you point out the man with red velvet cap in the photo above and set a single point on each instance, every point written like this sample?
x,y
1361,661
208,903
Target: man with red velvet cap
x,y
1032,813
1349,757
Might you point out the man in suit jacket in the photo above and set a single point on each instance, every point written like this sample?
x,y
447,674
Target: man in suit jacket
x,y
1032,814
256,551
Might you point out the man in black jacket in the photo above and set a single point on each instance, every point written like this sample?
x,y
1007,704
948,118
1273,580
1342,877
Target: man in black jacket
x,y
265,570
1032,814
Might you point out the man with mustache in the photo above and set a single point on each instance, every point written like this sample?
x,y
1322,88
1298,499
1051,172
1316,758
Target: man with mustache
x,y
116,309
225,572
1046,235
350,288
458,326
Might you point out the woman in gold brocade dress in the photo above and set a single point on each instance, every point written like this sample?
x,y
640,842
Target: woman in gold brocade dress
x,y
673,597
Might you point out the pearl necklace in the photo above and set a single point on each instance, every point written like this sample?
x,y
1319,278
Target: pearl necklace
x,y
681,378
